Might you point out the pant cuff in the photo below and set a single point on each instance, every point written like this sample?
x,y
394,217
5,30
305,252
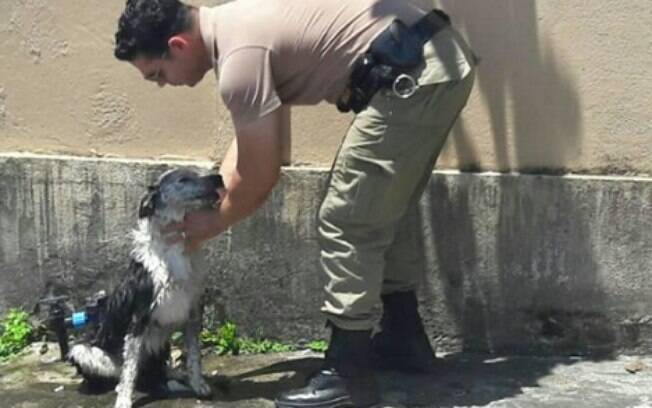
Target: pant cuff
x,y
345,323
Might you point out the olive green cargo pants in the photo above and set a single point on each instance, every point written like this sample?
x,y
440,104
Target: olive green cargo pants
x,y
368,247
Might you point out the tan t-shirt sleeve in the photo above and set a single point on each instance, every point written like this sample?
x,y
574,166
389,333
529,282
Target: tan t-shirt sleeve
x,y
247,85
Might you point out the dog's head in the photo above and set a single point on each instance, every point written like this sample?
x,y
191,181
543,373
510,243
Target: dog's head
x,y
178,191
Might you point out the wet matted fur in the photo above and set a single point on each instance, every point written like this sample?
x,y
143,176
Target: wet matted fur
x,y
159,294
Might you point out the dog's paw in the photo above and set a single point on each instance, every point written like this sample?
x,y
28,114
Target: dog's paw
x,y
122,402
201,388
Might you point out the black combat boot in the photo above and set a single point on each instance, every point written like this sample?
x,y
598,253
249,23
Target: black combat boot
x,y
345,379
403,344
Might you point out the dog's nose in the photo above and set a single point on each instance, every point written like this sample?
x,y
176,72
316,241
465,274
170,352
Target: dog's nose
x,y
215,180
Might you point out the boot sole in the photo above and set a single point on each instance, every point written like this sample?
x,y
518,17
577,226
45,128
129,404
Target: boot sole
x,y
344,402
341,403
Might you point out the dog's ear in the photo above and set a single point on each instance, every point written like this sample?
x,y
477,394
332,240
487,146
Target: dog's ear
x,y
148,203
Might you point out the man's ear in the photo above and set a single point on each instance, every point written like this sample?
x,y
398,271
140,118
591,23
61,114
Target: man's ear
x,y
148,203
178,43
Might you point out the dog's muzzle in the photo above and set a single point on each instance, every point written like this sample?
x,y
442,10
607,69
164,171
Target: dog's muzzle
x,y
213,183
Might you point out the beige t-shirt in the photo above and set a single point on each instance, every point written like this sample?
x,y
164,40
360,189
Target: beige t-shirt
x,y
300,52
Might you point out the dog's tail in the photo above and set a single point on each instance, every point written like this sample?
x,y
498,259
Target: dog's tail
x,y
94,362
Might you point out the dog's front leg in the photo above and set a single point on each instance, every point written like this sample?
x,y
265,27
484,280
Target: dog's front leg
x,y
125,388
193,355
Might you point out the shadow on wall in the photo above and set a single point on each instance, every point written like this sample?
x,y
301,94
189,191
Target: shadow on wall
x,y
520,276
534,287
520,287
520,81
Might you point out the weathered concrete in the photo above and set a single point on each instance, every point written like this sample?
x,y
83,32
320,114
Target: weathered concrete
x,y
513,263
463,380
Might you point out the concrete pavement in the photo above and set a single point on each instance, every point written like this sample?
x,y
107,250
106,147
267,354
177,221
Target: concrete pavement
x,y
462,380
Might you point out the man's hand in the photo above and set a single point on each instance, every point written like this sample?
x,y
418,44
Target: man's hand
x,y
197,227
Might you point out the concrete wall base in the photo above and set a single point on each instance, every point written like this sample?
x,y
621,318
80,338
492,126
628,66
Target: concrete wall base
x,y
513,263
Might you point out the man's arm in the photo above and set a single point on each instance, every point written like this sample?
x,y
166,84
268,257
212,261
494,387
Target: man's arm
x,y
251,168
255,171
230,158
286,135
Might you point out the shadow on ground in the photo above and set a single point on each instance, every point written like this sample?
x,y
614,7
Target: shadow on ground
x,y
462,380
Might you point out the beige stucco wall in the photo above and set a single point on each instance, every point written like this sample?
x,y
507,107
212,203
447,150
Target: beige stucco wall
x,y
562,85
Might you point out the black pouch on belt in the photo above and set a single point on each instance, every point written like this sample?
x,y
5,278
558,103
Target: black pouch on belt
x,y
394,53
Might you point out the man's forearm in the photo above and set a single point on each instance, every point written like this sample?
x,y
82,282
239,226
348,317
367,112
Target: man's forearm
x,y
251,168
243,196
227,168
237,204
286,135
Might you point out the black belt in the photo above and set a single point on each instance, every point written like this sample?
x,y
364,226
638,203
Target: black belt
x,y
392,55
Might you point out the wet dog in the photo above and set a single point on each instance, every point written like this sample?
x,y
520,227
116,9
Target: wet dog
x,y
160,293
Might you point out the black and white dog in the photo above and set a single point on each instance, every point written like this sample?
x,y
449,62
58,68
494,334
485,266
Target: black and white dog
x,y
160,294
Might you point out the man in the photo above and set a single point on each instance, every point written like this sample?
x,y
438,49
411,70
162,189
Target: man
x,y
271,54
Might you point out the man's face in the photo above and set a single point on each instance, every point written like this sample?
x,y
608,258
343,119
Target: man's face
x,y
172,68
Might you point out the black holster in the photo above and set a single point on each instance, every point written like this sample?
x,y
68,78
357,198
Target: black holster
x,y
397,50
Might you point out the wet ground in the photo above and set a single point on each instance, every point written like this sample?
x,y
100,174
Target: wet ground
x,y
40,380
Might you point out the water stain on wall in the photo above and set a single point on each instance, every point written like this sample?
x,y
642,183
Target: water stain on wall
x,y
110,117
34,23
3,108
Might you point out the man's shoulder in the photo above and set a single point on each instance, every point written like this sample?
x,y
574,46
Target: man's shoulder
x,y
246,82
244,69
245,53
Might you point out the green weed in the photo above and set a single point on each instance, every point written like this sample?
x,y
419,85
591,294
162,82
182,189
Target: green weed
x,y
319,346
15,333
263,346
225,340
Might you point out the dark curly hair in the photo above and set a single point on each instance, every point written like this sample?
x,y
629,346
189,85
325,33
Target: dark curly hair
x,y
145,27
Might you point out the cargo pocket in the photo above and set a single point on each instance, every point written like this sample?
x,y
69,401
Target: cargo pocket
x,y
371,188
